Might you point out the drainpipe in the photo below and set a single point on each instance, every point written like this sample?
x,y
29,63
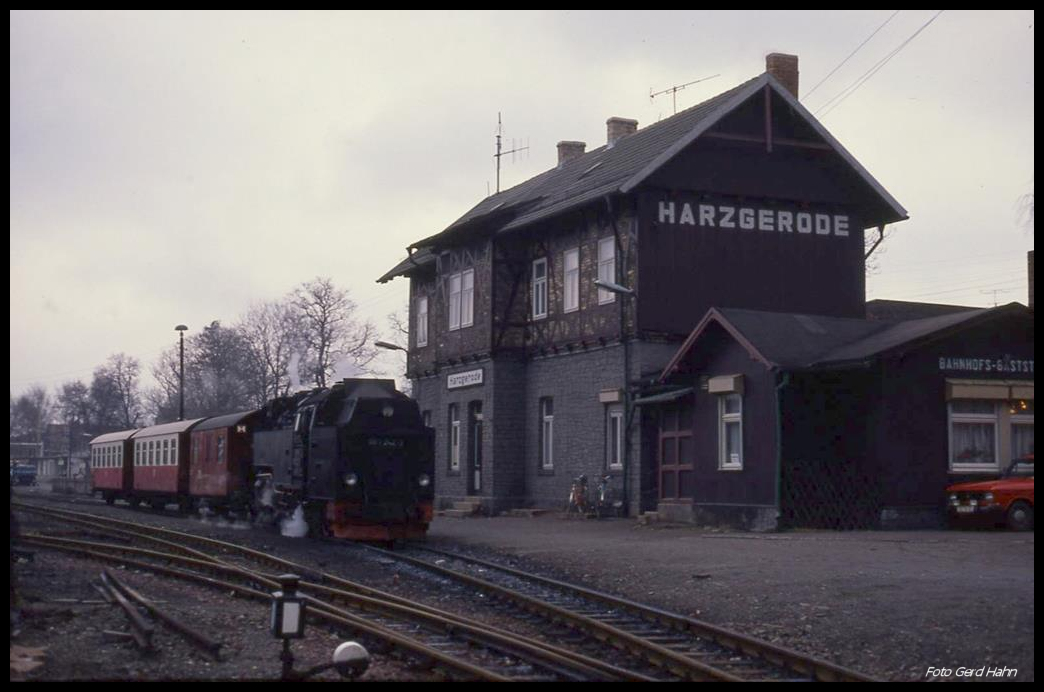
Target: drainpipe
x,y
784,381
628,414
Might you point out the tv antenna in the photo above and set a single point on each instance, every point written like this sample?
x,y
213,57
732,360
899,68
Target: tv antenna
x,y
673,91
514,148
995,291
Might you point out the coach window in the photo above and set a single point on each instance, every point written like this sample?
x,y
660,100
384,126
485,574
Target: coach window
x,y
166,452
221,449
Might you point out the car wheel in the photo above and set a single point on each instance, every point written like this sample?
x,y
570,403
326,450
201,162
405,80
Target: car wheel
x,y
1020,516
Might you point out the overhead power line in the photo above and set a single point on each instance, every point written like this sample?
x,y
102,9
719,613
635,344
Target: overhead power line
x,y
837,100
851,54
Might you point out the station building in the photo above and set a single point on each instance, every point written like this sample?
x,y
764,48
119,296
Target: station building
x,y
683,309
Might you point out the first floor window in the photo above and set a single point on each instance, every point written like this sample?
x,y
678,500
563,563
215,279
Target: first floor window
x,y
422,321
730,432
454,441
606,267
571,280
614,438
539,287
462,299
547,433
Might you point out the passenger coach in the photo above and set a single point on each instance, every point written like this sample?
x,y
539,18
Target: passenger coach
x,y
161,464
111,474
221,460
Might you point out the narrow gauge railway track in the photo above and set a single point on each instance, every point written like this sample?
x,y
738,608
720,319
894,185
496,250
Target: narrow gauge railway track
x,y
469,650
684,646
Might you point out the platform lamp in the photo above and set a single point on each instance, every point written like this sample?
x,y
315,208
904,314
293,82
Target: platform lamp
x,y
288,618
628,409
390,346
181,371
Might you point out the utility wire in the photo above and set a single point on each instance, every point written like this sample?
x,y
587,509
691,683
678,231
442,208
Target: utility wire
x,y
852,53
851,89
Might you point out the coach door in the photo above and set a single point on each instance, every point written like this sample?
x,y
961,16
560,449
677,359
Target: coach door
x,y
675,457
474,447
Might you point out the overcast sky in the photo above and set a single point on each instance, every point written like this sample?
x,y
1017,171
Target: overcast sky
x,y
174,168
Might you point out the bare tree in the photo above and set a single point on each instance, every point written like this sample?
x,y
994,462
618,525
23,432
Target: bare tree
x,y
271,334
74,408
115,396
399,334
330,329
30,414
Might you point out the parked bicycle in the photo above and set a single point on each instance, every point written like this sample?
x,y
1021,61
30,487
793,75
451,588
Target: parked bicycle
x,y
578,501
607,504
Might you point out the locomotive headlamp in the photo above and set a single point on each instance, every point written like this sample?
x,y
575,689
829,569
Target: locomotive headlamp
x,y
388,411
351,480
423,480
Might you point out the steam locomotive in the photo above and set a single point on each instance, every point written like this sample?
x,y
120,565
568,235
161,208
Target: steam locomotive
x,y
355,459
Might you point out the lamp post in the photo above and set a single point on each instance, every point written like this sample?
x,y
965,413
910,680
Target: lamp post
x,y
390,346
181,371
288,618
613,287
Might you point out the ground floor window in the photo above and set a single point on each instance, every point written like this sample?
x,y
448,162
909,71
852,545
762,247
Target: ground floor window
x,y
614,438
454,438
987,435
730,432
547,433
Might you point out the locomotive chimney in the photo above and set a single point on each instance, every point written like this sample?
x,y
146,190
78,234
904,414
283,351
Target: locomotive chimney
x,y
785,69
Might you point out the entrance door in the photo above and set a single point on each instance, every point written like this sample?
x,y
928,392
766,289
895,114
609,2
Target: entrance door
x,y
675,454
474,447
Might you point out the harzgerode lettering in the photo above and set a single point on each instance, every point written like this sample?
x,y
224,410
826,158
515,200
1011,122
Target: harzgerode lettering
x,y
753,219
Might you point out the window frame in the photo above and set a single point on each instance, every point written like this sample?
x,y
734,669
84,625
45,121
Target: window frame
x,y
614,414
422,321
538,289
965,418
606,268
571,281
454,438
547,433
726,419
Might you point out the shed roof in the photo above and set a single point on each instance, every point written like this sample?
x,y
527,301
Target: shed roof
x,y
789,341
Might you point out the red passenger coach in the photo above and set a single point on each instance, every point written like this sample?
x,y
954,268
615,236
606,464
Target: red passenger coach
x,y
221,459
112,474
161,463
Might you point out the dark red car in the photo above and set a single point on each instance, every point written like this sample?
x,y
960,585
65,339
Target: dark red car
x,y
1005,500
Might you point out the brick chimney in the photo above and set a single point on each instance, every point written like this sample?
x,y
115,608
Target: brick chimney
x,y
785,69
567,151
618,128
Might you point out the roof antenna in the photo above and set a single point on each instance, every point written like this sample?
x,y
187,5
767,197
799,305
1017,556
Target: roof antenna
x,y
675,89
514,149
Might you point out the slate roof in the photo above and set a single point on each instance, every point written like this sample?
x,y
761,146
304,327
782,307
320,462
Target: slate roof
x,y
789,341
619,169
894,310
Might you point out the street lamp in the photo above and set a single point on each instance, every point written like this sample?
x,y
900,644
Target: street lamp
x,y
181,372
390,346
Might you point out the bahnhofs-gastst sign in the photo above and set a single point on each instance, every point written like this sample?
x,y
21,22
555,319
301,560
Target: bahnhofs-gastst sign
x,y
729,217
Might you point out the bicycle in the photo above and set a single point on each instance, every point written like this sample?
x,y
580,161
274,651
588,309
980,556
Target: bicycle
x,y
578,501
607,504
